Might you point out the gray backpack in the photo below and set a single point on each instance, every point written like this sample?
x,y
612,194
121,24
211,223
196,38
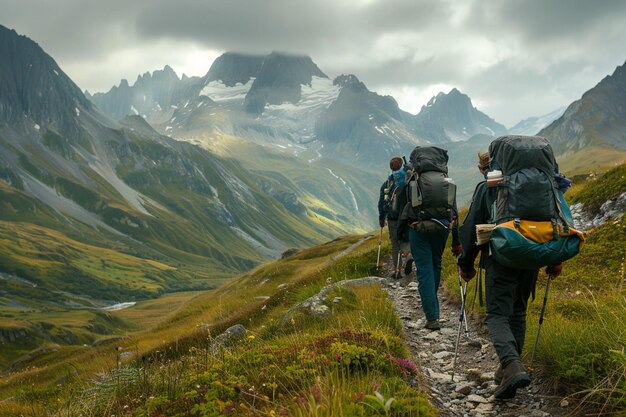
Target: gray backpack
x,y
529,190
534,226
431,194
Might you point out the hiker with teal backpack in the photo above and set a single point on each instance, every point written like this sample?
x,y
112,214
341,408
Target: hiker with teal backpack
x,y
388,211
428,216
522,203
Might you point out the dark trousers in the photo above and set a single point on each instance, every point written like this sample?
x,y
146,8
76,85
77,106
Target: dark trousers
x,y
507,293
427,250
393,224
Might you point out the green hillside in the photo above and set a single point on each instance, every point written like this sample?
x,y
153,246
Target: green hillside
x,y
294,360
284,361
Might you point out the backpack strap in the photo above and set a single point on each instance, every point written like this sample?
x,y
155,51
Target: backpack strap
x,y
559,210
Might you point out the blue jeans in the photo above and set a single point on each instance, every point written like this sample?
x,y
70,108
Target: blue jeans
x,y
427,249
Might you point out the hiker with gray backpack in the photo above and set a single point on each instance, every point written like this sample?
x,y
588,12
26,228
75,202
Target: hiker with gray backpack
x,y
522,204
428,216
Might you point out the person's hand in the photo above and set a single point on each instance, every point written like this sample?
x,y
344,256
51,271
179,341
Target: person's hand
x,y
456,250
554,270
468,274
381,222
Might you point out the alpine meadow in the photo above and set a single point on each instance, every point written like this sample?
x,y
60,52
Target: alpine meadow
x,y
207,244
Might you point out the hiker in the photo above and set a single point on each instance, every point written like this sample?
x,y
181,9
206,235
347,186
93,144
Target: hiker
x,y
387,210
428,216
507,288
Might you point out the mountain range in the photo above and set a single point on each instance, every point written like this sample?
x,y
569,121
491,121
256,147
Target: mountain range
x,y
79,177
287,100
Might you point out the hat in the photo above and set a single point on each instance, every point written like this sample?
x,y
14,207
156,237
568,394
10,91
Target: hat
x,y
483,160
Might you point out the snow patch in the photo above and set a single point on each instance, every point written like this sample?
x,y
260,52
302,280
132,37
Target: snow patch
x,y
220,93
134,110
55,72
119,306
37,126
298,120
490,131
77,110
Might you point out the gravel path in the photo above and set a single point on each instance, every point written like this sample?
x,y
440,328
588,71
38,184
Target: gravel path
x,y
471,392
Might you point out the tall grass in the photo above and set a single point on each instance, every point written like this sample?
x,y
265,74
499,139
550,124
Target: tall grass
x,y
582,348
350,362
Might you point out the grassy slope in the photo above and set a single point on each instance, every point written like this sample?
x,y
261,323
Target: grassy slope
x,y
186,235
63,283
362,333
591,158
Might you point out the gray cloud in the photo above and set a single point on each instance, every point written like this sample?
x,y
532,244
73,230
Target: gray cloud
x,y
515,59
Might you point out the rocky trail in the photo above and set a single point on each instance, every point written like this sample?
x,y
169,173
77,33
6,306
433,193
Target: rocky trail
x,y
470,394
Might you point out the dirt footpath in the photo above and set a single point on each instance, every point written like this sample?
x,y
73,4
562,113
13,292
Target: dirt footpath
x,y
470,394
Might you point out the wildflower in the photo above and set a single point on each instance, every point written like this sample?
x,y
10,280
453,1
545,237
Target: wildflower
x,y
251,337
316,391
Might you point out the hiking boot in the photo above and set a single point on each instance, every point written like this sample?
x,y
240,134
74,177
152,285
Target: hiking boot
x,y
514,376
497,376
432,325
408,267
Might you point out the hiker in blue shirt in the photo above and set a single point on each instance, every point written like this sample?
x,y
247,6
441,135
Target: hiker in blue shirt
x,y
388,211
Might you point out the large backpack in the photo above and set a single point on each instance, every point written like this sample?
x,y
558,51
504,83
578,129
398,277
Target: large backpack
x,y
393,188
430,193
534,227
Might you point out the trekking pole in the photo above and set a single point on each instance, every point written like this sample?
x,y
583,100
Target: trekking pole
x,y
543,310
463,290
380,240
462,318
479,284
400,253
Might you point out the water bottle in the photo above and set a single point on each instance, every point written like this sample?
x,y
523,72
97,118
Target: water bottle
x,y
494,178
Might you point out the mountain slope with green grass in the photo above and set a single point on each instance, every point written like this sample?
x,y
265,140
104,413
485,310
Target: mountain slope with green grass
x,y
96,212
343,360
298,357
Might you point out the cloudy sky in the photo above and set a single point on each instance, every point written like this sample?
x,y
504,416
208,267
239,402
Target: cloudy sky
x,y
514,58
